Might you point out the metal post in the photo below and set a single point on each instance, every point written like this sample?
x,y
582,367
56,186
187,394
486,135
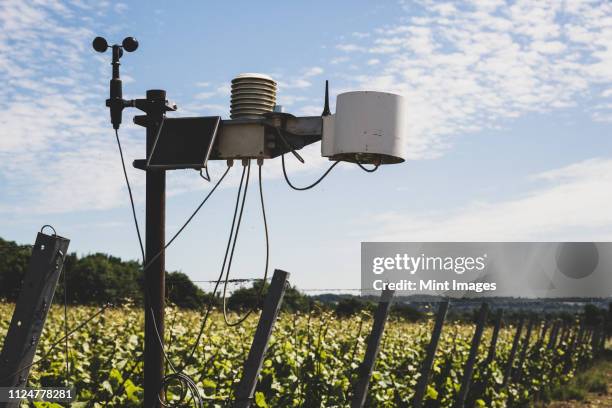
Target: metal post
x,y
367,366
571,349
255,359
515,344
469,365
595,340
565,329
154,275
543,332
31,310
421,386
494,337
552,339
525,348
602,342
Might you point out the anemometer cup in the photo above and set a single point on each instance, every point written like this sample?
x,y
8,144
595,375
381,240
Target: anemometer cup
x,y
115,102
367,128
129,44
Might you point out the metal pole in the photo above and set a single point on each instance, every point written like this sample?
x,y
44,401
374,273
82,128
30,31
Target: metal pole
x,y
552,339
494,337
525,349
33,303
255,359
155,273
515,344
469,365
430,355
367,366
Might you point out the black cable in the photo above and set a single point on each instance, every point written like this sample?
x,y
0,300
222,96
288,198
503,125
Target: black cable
x,y
189,219
233,245
288,145
147,264
60,341
127,182
186,384
372,170
193,214
207,176
311,185
66,323
218,281
263,280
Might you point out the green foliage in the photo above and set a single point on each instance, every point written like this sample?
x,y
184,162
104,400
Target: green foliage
x,y
594,316
14,260
249,297
351,305
312,360
407,312
100,278
96,279
183,292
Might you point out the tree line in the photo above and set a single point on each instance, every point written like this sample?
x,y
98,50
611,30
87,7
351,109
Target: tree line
x,y
100,278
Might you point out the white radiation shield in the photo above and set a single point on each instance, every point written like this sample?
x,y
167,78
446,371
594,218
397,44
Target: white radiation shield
x,y
368,127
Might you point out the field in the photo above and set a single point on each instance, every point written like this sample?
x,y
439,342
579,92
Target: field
x,y
312,360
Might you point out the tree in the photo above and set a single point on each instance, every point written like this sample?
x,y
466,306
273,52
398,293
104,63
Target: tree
x,y
101,278
96,279
351,305
14,261
594,316
183,292
246,298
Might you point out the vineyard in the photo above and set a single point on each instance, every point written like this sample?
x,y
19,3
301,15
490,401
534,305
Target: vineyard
x,y
312,360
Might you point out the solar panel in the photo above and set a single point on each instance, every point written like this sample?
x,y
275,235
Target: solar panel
x,y
184,143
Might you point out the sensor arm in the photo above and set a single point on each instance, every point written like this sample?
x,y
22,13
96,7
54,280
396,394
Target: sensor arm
x,y
254,138
259,138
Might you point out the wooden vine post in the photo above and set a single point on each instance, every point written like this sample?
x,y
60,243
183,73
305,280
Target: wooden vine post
x,y
524,349
515,344
367,366
494,337
35,297
432,347
255,359
471,361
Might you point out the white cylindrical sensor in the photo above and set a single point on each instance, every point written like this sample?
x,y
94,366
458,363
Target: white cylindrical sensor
x,y
370,128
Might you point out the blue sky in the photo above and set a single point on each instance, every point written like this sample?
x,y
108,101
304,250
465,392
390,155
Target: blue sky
x,y
510,117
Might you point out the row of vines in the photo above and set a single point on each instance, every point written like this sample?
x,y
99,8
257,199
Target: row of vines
x,y
312,360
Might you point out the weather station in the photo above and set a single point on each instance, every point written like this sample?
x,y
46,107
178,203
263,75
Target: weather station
x,y
368,129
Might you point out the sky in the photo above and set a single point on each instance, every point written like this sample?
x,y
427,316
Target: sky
x,y
510,112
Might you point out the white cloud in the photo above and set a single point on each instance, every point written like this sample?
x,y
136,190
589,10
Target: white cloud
x,y
57,152
313,71
295,83
349,47
204,95
573,204
121,8
338,60
469,65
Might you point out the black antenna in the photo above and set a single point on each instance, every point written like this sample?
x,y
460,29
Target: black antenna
x,y
115,102
326,111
